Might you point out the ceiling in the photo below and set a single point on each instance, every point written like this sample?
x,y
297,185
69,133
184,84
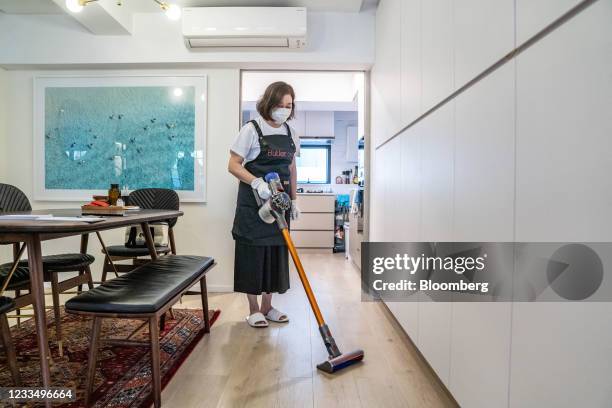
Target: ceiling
x,y
144,6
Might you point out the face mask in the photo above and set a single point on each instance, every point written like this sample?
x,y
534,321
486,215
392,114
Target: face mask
x,y
280,115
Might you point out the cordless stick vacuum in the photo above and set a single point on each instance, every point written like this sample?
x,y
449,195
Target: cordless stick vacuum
x,y
272,210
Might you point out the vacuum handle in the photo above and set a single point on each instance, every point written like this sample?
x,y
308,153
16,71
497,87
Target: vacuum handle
x,y
302,274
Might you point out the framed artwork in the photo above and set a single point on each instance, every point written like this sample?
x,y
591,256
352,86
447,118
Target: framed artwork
x,y
135,131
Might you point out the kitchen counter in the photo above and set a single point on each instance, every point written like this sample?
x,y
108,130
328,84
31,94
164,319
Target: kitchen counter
x,y
320,194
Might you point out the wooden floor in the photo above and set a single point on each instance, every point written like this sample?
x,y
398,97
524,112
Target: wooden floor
x,y
240,366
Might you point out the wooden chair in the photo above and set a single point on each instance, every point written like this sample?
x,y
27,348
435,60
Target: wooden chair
x,y
14,200
6,305
150,199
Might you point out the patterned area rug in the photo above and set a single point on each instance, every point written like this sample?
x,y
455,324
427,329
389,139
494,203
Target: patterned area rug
x,y
123,374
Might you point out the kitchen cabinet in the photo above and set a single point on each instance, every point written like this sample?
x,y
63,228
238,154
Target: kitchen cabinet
x,y
310,123
319,124
352,144
315,226
299,123
355,238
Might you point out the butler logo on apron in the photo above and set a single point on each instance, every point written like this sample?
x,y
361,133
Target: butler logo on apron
x,y
276,155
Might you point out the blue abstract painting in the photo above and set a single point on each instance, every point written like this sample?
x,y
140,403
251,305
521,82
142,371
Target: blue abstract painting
x,y
135,136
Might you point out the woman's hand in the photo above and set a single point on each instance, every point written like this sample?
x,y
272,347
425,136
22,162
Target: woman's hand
x,y
263,190
295,210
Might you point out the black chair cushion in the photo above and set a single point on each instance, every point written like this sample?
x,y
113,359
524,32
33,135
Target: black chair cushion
x,y
6,304
19,280
144,290
122,250
63,262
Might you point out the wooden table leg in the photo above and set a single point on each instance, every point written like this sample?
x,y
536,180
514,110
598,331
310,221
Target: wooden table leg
x,y
38,295
171,238
84,242
149,238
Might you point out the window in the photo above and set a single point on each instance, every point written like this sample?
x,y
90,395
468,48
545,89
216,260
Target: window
x,y
313,165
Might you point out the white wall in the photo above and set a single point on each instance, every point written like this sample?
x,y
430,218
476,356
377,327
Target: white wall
x,y
3,124
523,155
336,40
5,252
31,44
205,228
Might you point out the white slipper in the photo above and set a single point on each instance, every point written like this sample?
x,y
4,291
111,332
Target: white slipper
x,y
276,316
257,319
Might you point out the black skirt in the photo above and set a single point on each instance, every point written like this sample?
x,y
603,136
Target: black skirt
x,y
261,269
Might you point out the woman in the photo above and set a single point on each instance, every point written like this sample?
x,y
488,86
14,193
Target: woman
x,y
266,144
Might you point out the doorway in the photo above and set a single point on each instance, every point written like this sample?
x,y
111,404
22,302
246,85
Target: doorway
x,y
331,122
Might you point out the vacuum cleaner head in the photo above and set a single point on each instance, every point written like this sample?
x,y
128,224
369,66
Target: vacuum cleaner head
x,y
342,361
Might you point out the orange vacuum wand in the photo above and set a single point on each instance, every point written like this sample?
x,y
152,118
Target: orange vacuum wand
x,y
336,360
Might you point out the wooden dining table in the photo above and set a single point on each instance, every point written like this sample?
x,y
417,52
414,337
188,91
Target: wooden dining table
x,y
32,232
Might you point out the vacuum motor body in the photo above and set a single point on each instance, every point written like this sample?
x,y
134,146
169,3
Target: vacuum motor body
x,y
273,209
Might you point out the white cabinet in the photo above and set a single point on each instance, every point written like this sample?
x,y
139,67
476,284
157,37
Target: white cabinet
x,y
436,51
561,352
483,33
410,54
385,80
315,226
484,160
309,123
299,123
319,124
534,15
352,144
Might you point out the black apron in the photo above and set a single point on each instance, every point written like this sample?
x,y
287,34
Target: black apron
x,y
276,155
261,263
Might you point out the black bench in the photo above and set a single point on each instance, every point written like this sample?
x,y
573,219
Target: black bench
x,y
146,293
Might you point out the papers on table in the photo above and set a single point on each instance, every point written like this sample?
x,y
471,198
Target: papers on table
x,y
23,216
48,217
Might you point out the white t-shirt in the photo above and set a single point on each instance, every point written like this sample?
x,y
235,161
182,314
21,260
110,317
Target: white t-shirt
x,y
247,143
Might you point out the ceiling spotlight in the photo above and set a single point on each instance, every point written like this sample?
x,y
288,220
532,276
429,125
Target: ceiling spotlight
x,y
74,6
173,12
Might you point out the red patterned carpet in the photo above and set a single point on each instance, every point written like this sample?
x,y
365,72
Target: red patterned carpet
x,y
123,374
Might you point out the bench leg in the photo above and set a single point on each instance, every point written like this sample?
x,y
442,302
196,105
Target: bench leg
x,y
57,311
204,294
155,361
162,322
18,311
93,354
9,348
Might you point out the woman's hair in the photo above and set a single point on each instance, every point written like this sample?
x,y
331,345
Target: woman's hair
x,y
272,97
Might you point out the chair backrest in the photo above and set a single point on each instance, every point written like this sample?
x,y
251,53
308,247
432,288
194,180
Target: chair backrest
x,y
13,199
156,199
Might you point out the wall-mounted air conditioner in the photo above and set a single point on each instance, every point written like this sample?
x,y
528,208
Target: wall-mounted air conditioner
x,y
280,27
